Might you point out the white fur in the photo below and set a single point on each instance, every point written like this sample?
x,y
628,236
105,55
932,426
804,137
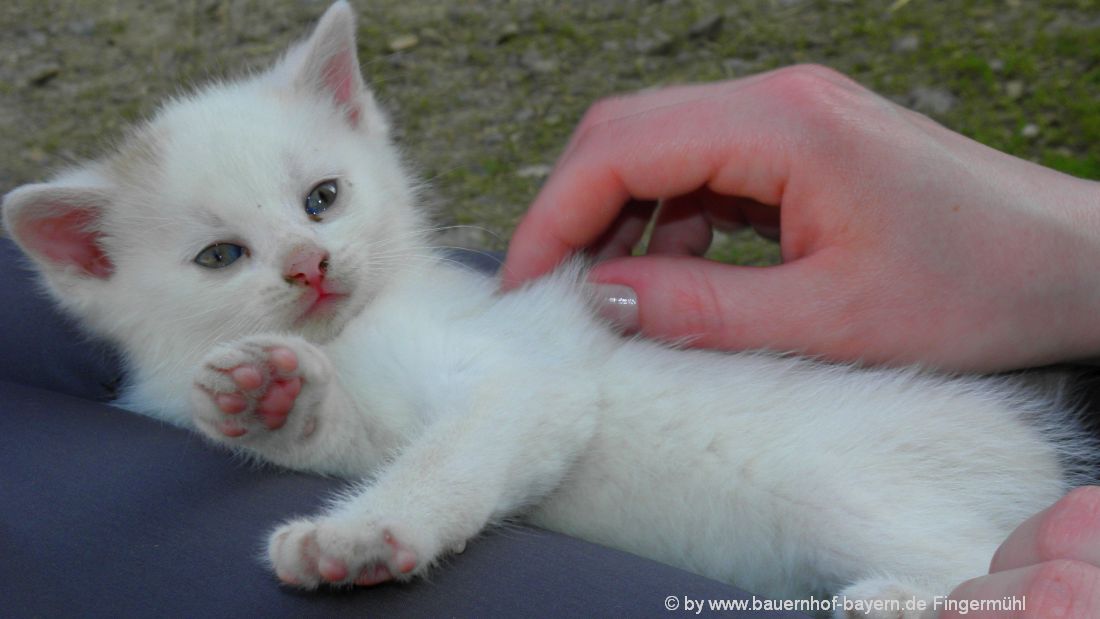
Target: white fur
x,y
465,407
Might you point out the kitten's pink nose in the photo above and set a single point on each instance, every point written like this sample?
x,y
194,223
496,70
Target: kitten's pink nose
x,y
306,266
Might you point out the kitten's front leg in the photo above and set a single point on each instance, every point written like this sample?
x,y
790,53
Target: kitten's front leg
x,y
275,396
466,471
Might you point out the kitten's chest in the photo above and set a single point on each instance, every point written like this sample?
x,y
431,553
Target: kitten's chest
x,y
406,364
432,343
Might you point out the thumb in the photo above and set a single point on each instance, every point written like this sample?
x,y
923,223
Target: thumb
x,y
793,307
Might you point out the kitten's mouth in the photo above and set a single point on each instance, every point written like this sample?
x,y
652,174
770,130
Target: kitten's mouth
x,y
320,303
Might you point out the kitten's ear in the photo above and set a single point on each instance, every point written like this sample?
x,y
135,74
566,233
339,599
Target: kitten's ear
x,y
60,227
328,64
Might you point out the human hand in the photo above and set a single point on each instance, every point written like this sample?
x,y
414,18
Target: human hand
x,y
1051,562
902,242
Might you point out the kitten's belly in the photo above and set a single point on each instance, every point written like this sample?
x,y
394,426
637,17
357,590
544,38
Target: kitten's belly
x,y
784,478
738,515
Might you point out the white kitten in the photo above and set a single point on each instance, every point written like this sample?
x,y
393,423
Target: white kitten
x,y
257,253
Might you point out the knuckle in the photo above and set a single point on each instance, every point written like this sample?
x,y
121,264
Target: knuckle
x,y
1058,535
828,103
819,71
695,310
806,81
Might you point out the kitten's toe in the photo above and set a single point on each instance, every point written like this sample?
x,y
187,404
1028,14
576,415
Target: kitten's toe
x,y
293,554
247,377
284,359
231,403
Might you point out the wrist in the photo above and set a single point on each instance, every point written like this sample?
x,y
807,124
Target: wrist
x,y
1074,273
1086,214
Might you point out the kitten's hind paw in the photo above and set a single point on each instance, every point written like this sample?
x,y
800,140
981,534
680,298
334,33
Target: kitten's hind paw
x,y
252,388
885,598
309,554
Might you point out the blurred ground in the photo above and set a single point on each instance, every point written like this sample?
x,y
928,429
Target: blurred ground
x,y
484,94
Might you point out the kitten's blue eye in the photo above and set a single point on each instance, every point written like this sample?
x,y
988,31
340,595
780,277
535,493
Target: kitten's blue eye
x,y
320,198
219,255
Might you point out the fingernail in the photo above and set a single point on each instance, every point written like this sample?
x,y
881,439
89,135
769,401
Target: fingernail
x,y
619,304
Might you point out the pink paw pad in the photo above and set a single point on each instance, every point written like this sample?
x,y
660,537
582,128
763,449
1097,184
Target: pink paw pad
x,y
402,560
231,403
373,575
268,390
332,570
275,405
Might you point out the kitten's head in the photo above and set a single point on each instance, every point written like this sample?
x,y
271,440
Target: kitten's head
x,y
276,203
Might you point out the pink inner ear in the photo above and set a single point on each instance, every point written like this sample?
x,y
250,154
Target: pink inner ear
x,y
340,79
69,239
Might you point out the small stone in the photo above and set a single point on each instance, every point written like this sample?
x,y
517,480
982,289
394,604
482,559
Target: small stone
x,y
489,137
431,35
1014,89
1030,130
657,44
536,63
41,75
907,44
538,170
36,155
707,27
508,32
399,60
931,100
403,42
82,27
996,65
524,114
738,66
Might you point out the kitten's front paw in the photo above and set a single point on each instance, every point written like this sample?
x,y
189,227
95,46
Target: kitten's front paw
x,y
258,385
310,553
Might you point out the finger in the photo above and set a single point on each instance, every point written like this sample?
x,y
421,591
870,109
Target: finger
x,y
1069,529
728,144
625,233
681,228
791,307
763,218
1067,589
